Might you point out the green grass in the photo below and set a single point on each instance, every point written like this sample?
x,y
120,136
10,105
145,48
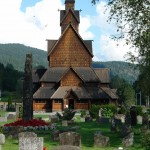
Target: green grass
x,y
87,130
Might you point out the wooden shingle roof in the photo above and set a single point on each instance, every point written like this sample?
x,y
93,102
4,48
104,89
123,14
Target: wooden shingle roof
x,y
103,74
37,74
110,92
44,93
87,74
80,38
53,74
80,92
63,14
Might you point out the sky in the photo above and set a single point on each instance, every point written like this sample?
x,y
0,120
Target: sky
x,y
31,22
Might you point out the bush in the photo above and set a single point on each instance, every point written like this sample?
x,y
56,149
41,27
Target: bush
x,y
122,110
145,141
139,110
83,113
107,110
67,114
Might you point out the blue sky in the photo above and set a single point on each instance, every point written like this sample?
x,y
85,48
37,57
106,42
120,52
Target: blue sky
x,y
31,22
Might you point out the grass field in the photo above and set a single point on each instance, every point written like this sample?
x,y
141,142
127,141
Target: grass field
x,y
87,137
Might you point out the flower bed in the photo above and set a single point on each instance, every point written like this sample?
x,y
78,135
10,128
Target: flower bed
x,y
32,123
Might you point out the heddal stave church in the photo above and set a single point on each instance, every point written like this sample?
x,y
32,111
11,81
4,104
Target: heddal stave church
x,y
70,81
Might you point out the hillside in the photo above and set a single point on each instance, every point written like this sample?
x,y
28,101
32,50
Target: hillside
x,y
15,54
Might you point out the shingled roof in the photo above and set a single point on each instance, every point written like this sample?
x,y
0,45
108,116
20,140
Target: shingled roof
x,y
87,74
80,92
37,74
53,74
103,74
44,93
80,38
110,92
63,14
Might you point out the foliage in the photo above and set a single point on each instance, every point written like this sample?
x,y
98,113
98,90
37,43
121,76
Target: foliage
x,y
67,114
127,71
107,110
122,110
145,141
139,110
1,129
83,113
133,24
125,90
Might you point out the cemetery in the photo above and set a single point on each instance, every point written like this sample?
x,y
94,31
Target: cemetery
x,y
70,105
73,131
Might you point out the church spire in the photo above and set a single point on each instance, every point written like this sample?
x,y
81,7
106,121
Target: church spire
x,y
69,4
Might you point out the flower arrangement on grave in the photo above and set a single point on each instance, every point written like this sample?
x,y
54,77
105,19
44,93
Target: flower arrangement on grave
x,y
32,123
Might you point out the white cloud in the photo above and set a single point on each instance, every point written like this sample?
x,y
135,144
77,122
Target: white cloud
x,y
107,48
84,27
35,25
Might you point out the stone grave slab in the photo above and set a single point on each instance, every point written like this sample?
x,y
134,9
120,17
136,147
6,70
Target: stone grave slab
x,y
31,143
70,138
67,147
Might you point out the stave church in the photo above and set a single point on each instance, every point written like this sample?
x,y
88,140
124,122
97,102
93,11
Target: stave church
x,y
70,81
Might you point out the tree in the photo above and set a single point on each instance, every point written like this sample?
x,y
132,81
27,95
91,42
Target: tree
x,y
125,90
133,24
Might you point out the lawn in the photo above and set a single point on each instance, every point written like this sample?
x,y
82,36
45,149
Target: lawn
x,y
87,137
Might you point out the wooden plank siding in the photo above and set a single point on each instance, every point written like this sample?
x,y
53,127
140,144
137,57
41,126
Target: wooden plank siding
x,y
71,79
70,52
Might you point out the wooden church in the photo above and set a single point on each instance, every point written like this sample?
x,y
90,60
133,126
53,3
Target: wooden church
x,y
70,81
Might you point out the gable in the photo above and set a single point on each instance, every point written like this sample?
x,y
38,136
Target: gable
x,y
70,50
71,79
70,18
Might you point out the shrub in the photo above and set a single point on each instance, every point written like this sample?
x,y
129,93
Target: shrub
x,y
67,114
145,141
107,110
122,110
83,113
139,110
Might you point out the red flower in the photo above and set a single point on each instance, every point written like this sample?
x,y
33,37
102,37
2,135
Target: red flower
x,y
33,123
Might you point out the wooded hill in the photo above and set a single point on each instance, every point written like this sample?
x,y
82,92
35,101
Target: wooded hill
x,y
15,54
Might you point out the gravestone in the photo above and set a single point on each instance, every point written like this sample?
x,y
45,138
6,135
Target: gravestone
x,y
128,140
100,140
2,139
128,119
67,147
53,119
113,124
14,131
64,123
70,138
145,121
133,114
31,143
18,110
3,119
11,117
27,134
27,90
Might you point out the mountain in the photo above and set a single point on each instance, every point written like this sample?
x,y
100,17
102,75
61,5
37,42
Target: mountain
x,y
15,54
